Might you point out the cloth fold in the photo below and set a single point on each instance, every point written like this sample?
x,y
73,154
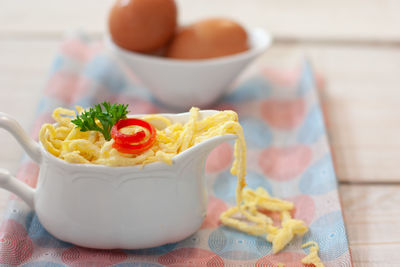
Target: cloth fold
x,y
288,155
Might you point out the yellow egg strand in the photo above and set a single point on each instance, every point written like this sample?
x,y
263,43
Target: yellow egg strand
x,y
312,258
46,136
67,142
260,200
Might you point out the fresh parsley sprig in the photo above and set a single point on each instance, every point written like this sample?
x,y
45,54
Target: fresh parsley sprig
x,y
105,113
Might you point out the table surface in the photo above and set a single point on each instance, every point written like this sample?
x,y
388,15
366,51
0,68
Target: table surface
x,y
354,44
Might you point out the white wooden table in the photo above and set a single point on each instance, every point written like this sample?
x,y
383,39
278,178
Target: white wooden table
x,y
354,44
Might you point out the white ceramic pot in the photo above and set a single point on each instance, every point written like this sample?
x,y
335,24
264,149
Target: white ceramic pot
x,y
186,83
116,207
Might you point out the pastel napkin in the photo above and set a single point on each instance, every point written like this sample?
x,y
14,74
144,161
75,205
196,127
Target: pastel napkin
x,y
288,155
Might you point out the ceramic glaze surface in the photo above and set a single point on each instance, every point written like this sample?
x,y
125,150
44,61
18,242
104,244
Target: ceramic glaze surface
x,y
185,83
120,207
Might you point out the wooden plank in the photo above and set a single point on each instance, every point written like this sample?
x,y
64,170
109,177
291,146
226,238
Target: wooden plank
x,y
372,217
23,68
355,20
370,255
362,103
23,72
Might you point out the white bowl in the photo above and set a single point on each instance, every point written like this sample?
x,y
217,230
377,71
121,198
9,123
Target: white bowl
x,y
185,83
106,207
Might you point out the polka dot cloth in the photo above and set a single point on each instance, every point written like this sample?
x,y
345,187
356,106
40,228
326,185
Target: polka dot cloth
x,y
287,155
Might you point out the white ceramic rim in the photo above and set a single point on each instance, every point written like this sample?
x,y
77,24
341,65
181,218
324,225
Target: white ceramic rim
x,y
151,166
259,39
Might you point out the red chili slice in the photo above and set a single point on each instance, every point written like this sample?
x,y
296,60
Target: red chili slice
x,y
128,138
135,143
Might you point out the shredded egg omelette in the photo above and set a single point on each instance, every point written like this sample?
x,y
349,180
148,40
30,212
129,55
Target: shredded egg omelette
x,y
67,142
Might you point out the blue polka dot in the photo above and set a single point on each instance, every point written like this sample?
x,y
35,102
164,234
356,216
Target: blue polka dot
x,y
313,127
99,96
42,238
251,89
86,102
42,105
192,241
138,264
329,232
256,132
18,215
231,244
225,185
29,219
107,73
48,104
43,264
57,64
153,251
319,178
306,81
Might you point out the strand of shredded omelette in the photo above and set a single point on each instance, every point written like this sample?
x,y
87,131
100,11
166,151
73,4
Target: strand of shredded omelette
x,y
70,144
67,142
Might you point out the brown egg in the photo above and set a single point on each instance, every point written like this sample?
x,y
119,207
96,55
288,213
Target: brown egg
x,y
209,38
142,25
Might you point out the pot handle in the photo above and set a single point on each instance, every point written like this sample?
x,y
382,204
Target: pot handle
x,y
7,181
12,184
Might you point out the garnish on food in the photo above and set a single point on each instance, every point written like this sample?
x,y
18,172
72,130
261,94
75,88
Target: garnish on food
x,y
136,142
105,114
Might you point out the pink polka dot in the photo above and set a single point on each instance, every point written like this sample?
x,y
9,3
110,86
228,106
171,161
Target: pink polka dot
x,y
238,262
79,50
102,93
319,80
285,163
220,158
78,256
283,114
74,48
136,105
290,259
274,215
214,210
82,88
15,244
252,159
28,173
191,257
304,208
283,78
93,49
66,86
